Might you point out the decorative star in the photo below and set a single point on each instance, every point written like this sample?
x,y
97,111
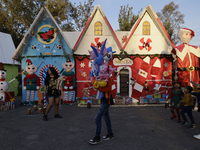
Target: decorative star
x,y
82,65
166,64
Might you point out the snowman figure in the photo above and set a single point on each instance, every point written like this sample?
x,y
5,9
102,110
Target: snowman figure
x,y
3,84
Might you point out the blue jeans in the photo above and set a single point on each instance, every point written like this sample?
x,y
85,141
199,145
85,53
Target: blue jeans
x,y
103,111
188,110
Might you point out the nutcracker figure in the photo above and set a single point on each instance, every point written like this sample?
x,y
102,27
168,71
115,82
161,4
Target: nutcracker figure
x,y
31,82
69,83
186,58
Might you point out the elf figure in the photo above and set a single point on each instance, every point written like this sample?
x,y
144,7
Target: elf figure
x,y
69,83
186,59
31,82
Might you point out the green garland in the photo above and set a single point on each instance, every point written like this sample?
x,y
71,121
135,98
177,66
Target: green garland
x,y
132,57
119,56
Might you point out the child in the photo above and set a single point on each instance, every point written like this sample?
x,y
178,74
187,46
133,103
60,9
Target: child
x,y
187,107
197,94
177,96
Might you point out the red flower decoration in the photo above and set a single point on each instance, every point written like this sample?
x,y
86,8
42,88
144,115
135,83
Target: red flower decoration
x,y
146,44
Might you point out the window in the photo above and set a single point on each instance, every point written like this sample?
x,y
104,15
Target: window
x,y
146,28
98,28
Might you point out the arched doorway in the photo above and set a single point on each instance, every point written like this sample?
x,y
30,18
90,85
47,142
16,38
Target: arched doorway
x,y
124,82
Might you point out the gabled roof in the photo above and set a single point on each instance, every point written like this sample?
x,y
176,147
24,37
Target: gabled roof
x,y
44,12
7,48
88,23
157,22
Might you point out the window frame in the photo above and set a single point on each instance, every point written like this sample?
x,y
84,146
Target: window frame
x,y
146,28
98,28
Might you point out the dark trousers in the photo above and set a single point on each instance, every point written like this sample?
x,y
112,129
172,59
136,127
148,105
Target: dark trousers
x,y
188,110
103,112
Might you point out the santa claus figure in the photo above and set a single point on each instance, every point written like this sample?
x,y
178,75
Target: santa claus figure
x,y
69,83
186,59
31,82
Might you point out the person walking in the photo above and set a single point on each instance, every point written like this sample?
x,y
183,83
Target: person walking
x,y
53,93
196,93
187,103
177,96
106,100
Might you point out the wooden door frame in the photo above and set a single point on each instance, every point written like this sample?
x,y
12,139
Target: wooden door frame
x,y
118,79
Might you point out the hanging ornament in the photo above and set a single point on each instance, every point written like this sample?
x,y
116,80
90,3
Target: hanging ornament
x,y
32,33
124,39
55,30
58,47
33,47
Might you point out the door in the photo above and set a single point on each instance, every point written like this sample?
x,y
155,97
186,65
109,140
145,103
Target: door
x,y
124,82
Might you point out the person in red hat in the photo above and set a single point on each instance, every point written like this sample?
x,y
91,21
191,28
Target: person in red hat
x,y
31,82
69,84
186,59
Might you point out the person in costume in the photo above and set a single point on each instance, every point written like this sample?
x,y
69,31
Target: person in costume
x,y
53,92
186,59
31,82
69,84
106,100
187,103
177,96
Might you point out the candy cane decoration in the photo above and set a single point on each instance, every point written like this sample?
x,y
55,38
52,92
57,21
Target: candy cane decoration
x,y
45,103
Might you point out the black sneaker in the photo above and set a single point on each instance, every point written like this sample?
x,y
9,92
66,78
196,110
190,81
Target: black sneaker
x,y
57,116
185,123
45,118
108,137
192,126
95,140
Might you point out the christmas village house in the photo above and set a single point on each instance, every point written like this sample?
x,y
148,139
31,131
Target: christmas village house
x,y
9,86
143,65
43,46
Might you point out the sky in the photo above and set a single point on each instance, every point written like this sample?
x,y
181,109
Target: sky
x,y
190,8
